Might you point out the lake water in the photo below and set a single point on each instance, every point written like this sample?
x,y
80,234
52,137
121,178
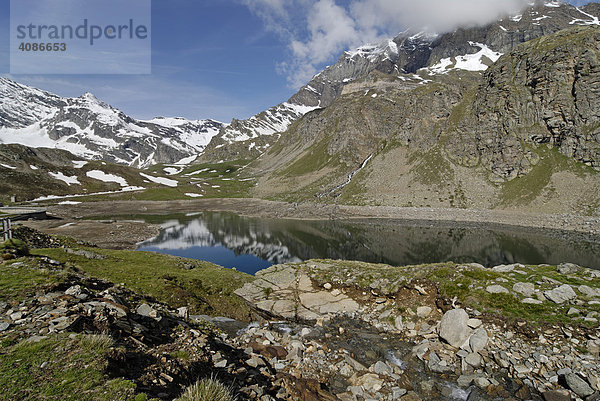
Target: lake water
x,y
252,244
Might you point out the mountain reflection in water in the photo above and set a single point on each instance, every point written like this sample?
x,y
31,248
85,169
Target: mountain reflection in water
x,y
252,244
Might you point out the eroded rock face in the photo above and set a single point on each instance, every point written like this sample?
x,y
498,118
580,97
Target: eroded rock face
x,y
542,93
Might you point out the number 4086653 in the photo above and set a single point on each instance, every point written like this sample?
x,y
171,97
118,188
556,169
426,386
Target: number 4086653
x,y
43,47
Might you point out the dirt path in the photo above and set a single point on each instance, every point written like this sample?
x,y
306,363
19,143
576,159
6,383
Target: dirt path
x,y
125,233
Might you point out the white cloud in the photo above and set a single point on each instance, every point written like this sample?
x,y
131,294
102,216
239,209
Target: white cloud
x,y
317,31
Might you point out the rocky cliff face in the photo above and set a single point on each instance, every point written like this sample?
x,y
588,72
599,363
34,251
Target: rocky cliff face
x,y
545,92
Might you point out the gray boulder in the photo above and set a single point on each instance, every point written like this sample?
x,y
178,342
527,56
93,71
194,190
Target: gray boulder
x,y
578,385
478,341
561,294
454,328
496,289
527,289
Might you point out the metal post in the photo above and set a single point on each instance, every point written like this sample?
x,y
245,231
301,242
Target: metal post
x,y
6,229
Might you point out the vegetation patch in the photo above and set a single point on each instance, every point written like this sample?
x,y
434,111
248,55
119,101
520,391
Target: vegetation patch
x,y
203,287
525,189
60,367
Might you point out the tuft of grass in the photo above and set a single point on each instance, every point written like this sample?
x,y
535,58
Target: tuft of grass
x,y
208,389
98,343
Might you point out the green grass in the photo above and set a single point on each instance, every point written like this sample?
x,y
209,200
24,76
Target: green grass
x,y
23,277
208,389
74,370
431,168
523,190
315,158
205,289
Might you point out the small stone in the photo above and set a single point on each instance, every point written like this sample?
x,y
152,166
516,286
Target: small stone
x,y
496,289
526,289
478,340
474,359
453,327
221,364
4,326
423,311
573,312
567,268
370,382
398,323
481,382
531,301
16,316
74,290
381,368
474,323
556,395
589,291
305,332
327,286
503,268
183,312
144,310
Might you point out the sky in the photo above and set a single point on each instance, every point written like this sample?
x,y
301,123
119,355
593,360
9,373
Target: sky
x,y
225,59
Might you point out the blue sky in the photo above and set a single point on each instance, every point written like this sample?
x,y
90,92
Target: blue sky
x,y
226,59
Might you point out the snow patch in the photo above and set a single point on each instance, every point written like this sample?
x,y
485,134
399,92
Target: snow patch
x,y
468,62
104,177
8,167
66,179
79,163
191,195
161,180
31,166
69,203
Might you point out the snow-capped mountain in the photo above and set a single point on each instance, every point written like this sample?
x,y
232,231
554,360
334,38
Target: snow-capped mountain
x,y
472,49
90,128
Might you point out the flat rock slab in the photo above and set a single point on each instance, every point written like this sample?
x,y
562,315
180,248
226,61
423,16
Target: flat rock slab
x,y
286,291
561,294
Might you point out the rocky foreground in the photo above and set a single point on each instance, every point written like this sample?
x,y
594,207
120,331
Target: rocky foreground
x,y
394,333
323,330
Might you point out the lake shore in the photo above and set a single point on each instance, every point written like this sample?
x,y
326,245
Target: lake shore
x,y
123,231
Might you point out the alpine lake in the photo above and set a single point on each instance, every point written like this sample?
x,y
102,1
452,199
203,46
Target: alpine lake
x,y
252,244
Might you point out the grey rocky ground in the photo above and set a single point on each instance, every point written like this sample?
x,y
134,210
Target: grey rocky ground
x,y
405,343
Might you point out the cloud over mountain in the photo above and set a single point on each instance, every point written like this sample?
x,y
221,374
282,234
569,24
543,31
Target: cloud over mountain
x,y
317,31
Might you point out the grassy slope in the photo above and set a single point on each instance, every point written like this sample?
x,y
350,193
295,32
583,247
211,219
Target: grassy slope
x,y
204,287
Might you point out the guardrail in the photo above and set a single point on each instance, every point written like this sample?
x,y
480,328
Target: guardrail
x,y
6,229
